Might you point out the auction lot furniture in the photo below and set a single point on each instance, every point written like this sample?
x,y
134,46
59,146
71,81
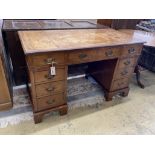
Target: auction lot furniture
x,y
5,85
111,57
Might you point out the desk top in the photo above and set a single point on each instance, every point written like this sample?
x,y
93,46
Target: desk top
x,y
149,37
58,40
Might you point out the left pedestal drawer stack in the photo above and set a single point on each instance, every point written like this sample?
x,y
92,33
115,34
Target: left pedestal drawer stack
x,y
48,92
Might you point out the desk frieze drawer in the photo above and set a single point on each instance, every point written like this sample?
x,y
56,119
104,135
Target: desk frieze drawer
x,y
50,101
119,84
44,75
89,55
47,59
50,88
131,50
125,72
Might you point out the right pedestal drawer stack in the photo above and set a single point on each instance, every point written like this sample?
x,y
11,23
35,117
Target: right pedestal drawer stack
x,y
126,65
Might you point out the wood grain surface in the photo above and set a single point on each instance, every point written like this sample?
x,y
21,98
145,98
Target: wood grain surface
x,y
148,37
57,40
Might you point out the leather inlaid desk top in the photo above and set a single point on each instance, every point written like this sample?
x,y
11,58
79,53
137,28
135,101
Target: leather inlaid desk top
x,y
57,40
148,37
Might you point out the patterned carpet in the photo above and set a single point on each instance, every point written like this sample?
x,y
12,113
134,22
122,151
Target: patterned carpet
x,y
80,91
82,94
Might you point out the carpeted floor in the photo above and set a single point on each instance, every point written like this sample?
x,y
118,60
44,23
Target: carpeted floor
x,y
88,112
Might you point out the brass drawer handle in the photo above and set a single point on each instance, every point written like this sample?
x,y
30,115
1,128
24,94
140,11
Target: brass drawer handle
x,y
49,76
82,56
109,53
131,50
124,72
50,101
50,89
50,61
127,62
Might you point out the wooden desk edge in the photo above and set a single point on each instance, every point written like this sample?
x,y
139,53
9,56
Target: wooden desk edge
x,y
28,52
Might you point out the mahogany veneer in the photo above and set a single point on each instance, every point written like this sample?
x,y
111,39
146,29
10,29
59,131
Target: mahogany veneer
x,y
112,53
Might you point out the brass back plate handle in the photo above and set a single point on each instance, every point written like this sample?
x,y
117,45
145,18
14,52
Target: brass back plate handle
x,y
82,56
109,53
50,101
131,50
50,61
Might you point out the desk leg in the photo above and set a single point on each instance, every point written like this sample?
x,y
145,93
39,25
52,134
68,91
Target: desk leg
x,y
108,96
38,118
122,92
63,111
137,71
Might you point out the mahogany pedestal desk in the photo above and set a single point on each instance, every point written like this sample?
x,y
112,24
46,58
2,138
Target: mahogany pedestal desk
x,y
111,55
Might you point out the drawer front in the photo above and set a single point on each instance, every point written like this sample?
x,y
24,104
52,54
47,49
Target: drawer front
x,y
125,72
50,101
129,62
43,76
131,50
50,88
46,59
89,55
119,84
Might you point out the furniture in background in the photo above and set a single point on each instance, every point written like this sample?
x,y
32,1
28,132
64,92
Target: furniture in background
x,y
146,25
110,54
5,81
119,23
13,46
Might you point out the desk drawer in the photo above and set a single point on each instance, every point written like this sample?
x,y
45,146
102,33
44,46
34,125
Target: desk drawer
x,y
119,84
43,76
89,55
131,50
46,59
125,72
50,88
127,62
50,101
